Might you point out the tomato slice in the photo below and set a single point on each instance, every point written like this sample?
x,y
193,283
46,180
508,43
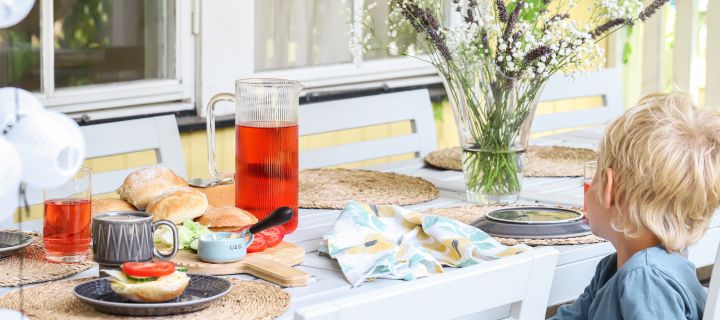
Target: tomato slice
x,y
274,235
265,239
258,245
148,269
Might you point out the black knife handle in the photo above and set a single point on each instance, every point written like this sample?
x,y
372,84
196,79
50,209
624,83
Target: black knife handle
x,y
276,218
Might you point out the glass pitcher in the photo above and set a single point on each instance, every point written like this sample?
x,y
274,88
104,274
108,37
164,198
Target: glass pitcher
x,y
266,145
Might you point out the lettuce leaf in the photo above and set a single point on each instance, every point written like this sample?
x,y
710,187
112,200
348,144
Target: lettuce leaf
x,y
188,234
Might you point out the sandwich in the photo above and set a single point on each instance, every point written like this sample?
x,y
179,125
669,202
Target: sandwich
x,y
149,281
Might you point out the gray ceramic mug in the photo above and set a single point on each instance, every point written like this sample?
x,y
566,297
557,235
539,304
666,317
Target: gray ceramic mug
x,y
122,236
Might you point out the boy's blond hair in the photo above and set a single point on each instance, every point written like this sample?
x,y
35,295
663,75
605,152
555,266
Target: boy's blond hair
x,y
665,154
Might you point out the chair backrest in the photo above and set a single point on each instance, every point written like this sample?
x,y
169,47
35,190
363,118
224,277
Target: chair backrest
x,y
521,282
606,83
122,137
366,111
712,305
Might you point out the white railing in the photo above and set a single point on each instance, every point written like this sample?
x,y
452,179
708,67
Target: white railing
x,y
712,83
686,73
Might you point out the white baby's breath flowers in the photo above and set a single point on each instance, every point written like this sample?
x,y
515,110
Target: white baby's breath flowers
x,y
536,41
356,38
619,9
393,48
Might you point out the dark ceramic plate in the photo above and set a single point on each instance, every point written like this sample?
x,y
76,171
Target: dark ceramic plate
x,y
12,241
200,292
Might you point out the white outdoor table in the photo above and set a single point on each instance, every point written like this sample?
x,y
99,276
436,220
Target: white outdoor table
x,y
575,265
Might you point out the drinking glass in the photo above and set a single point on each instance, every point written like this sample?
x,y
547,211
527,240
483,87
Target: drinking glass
x,y
589,172
66,223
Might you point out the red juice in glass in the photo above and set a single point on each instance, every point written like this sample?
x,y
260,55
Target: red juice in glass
x,y
586,186
266,168
589,169
66,229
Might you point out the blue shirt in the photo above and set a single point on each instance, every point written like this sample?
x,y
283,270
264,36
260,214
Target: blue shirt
x,y
652,284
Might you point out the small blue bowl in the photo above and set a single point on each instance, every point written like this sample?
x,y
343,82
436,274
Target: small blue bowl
x,y
223,247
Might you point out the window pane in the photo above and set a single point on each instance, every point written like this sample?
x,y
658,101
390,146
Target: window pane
x,y
20,53
102,41
300,33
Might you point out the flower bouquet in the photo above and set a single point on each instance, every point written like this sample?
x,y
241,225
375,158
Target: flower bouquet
x,y
494,57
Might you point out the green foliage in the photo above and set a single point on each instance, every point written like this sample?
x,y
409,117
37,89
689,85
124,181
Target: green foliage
x,y
438,110
86,25
627,48
532,12
22,57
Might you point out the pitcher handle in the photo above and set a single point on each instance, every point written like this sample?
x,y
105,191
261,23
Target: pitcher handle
x,y
210,124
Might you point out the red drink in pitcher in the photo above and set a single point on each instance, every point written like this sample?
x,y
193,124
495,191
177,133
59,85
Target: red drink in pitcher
x,y
66,229
266,168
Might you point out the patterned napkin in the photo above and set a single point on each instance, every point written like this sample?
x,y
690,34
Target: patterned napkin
x,y
392,242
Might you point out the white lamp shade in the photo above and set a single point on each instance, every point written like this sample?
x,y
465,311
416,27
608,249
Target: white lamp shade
x,y
16,102
51,146
10,314
14,11
10,169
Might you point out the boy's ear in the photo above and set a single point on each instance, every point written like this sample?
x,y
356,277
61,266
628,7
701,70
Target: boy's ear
x,y
608,194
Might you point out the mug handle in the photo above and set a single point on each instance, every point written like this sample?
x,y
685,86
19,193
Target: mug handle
x,y
210,125
175,239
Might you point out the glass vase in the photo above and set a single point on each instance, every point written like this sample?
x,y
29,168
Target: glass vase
x,y
493,113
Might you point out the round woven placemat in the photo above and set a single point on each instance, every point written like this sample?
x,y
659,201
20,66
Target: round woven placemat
x,y
470,213
448,158
246,300
333,188
538,161
35,267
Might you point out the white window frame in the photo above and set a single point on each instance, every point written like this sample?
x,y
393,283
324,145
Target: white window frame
x,y
129,98
223,58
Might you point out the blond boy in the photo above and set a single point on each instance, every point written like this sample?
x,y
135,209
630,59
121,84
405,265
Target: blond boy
x,y
656,187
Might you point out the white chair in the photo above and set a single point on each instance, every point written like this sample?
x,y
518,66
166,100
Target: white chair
x,y
606,83
521,282
122,137
366,111
712,305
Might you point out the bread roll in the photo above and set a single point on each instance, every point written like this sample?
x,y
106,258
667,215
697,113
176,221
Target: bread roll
x,y
143,185
178,204
163,289
226,218
110,204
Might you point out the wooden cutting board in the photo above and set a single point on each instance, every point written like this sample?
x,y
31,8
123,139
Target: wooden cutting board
x,y
222,195
274,265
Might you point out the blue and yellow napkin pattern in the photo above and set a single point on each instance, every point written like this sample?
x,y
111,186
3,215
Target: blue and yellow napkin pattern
x,y
392,242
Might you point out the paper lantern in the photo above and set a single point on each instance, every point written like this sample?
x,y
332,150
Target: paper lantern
x,y
14,11
51,146
16,103
10,169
